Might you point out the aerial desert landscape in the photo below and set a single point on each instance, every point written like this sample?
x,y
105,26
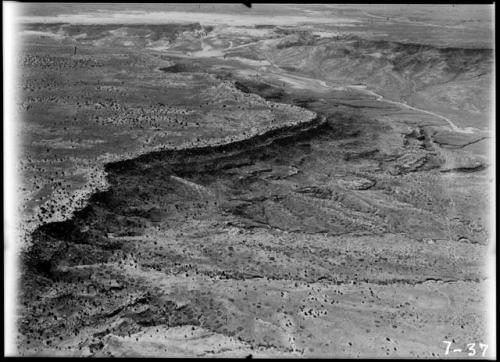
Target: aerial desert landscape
x,y
274,181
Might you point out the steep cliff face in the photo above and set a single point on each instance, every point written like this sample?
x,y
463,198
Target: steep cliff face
x,y
112,102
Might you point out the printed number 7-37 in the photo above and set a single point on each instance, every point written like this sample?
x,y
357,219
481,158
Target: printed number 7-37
x,y
470,347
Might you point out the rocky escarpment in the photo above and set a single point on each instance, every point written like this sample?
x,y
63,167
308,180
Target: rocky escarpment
x,y
256,244
196,160
81,111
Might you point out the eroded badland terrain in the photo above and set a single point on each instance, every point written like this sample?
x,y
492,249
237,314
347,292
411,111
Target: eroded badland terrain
x,y
264,190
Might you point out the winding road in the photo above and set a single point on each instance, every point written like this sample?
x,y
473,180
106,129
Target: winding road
x,y
381,98
281,73
453,127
